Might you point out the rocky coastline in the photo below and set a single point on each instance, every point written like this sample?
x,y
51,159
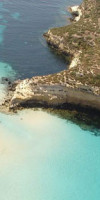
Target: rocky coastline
x,y
79,86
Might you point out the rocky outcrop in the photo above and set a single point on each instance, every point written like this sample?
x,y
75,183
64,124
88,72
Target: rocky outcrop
x,y
80,84
76,12
46,91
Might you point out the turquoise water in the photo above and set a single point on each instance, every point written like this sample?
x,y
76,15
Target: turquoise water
x,y
15,15
5,71
42,156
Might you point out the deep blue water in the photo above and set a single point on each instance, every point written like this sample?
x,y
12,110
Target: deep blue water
x,y
22,24
42,156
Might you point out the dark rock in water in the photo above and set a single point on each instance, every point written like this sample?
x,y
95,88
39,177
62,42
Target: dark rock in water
x,y
5,80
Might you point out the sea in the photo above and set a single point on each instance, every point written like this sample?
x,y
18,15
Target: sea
x,y
43,156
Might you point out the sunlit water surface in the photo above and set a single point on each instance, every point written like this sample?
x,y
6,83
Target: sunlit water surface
x,y
42,157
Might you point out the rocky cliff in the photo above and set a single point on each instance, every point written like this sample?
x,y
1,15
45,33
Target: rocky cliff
x,y
80,84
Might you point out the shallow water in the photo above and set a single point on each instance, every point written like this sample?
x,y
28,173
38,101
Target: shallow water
x,y
5,71
41,155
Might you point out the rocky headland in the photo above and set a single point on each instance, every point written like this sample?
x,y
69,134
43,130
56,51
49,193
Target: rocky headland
x,y
79,86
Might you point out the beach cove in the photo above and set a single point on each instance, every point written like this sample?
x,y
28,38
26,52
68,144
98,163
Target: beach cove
x,y
43,154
